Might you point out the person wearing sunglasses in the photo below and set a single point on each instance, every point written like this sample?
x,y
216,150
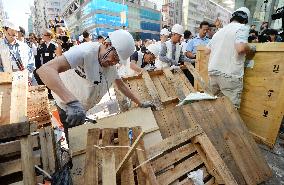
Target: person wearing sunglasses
x,y
83,75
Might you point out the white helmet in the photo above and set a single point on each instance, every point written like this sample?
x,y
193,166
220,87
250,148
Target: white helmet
x,y
177,28
10,25
124,44
153,48
243,9
165,31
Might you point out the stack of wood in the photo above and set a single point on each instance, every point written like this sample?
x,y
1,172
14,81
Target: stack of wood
x,y
22,145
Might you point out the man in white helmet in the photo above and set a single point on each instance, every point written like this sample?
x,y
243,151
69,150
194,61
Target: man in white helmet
x,y
83,75
140,61
171,53
164,35
228,49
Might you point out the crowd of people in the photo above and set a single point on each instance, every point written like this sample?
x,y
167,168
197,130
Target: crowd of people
x,y
79,72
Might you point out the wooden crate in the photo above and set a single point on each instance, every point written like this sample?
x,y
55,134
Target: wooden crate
x,y
262,106
162,87
185,152
38,110
19,155
106,149
223,126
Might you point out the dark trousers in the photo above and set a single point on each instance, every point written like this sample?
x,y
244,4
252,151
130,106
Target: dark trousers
x,y
63,117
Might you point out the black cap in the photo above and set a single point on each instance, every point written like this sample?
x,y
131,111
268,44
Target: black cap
x,y
22,30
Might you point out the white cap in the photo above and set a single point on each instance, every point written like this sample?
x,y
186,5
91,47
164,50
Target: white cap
x,y
177,28
243,9
10,25
123,43
153,48
165,31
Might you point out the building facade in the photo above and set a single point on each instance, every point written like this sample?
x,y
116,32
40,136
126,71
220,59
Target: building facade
x,y
172,12
44,10
103,16
196,11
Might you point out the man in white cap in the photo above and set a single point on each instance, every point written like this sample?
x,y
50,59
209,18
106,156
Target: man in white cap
x,y
228,49
21,56
83,75
171,53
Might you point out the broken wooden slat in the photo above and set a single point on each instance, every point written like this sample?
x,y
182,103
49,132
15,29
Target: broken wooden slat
x,y
129,153
27,161
44,150
91,167
145,173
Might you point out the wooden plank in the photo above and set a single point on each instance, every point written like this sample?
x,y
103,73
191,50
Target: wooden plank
x,y
176,84
214,158
91,167
5,103
108,167
167,86
197,77
152,90
50,144
173,157
14,146
14,130
179,170
173,141
145,173
5,78
19,95
162,92
44,150
129,153
127,175
27,161
14,166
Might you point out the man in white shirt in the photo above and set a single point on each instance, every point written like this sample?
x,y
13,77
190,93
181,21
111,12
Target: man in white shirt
x,y
83,75
228,49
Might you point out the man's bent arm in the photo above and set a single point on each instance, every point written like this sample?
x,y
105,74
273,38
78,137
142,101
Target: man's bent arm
x,y
49,74
126,91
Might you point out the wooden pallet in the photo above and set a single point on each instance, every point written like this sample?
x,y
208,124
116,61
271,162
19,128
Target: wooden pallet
x,y
262,106
38,110
162,87
218,122
20,154
106,149
187,151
